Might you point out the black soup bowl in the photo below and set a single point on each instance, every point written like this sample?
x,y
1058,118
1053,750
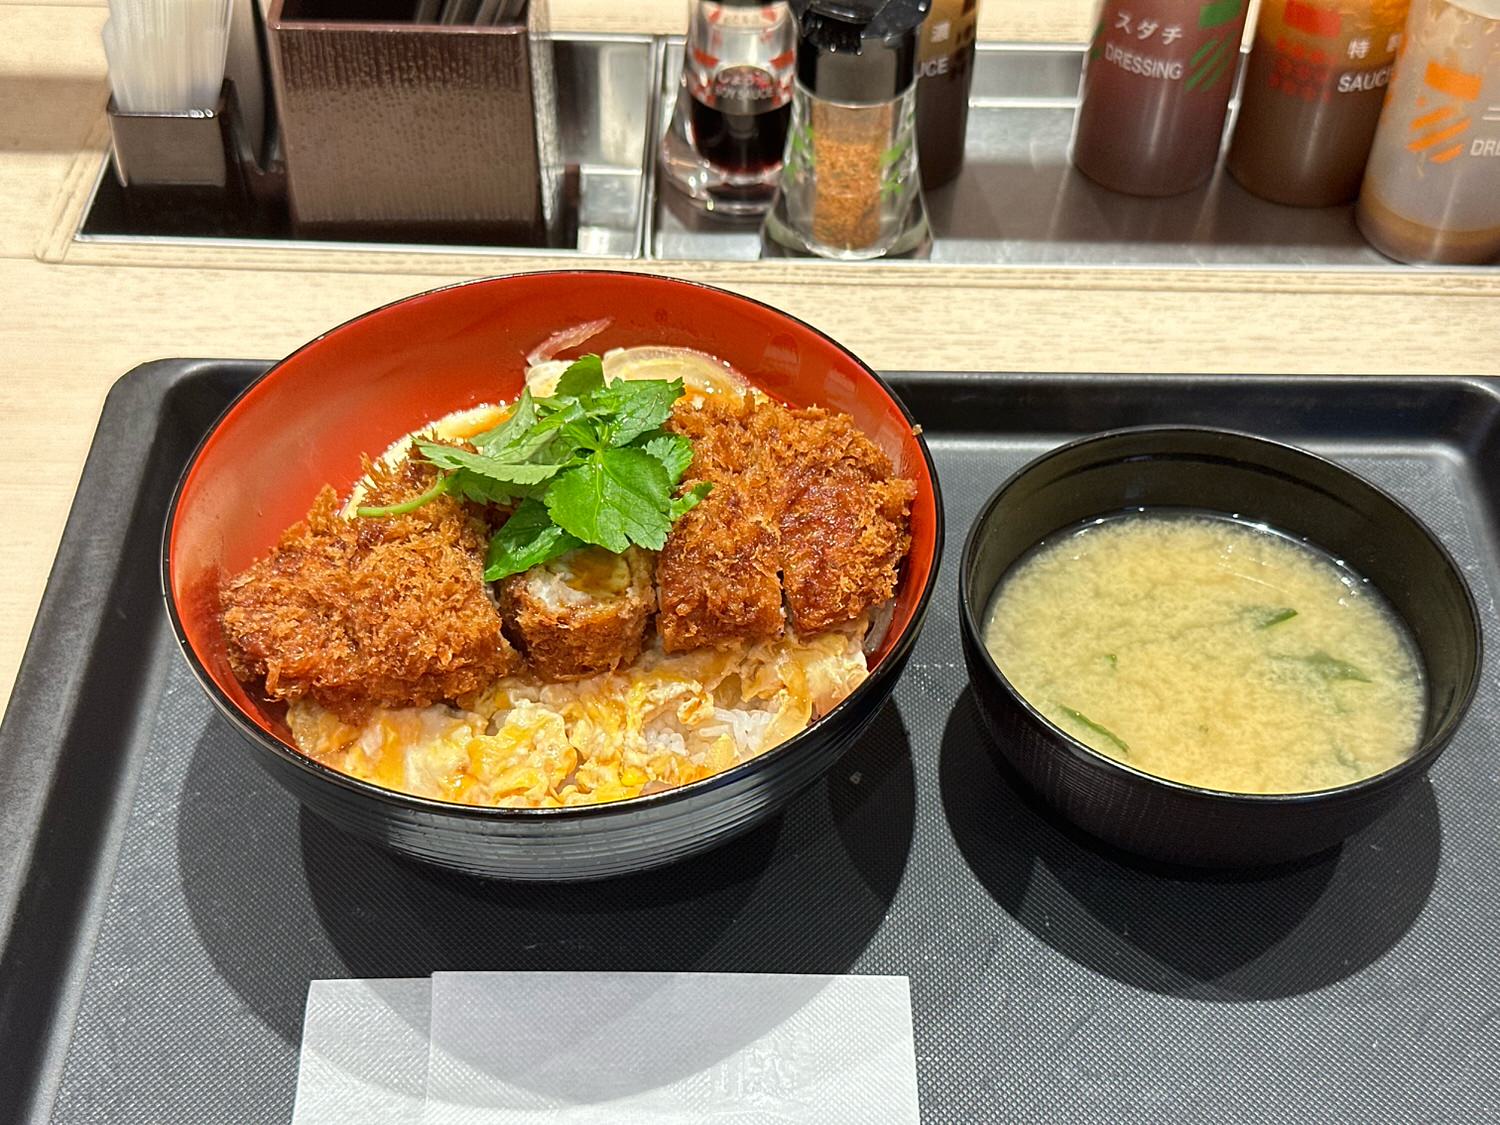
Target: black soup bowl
x,y
1260,481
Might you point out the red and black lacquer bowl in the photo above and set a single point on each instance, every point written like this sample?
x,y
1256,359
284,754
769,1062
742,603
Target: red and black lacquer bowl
x,y
307,422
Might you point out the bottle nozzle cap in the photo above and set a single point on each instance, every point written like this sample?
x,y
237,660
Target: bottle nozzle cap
x,y
858,50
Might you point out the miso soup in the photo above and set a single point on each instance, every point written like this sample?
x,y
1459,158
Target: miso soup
x,y
1210,651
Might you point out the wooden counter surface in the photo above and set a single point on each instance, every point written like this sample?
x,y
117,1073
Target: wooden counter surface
x,y
73,319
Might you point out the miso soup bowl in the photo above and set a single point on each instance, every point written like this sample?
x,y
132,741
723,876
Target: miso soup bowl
x,y
1257,480
354,390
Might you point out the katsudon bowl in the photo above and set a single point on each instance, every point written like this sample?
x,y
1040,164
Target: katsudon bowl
x,y
353,391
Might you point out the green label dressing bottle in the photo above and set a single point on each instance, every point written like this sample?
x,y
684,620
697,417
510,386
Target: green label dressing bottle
x,y
1156,87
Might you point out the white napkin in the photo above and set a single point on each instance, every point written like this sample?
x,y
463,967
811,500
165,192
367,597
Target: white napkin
x,y
591,1048
597,1048
364,1053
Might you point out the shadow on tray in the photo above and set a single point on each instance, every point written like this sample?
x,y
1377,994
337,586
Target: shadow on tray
x,y
1210,936
802,894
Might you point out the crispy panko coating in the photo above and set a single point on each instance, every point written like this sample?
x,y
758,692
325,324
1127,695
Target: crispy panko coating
x,y
717,573
803,502
581,614
356,613
842,541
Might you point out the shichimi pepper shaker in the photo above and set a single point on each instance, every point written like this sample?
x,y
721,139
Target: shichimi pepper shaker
x,y
850,186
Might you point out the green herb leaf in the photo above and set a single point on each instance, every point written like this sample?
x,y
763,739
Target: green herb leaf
x,y
444,483
583,377
581,433
482,490
511,431
674,451
495,468
615,498
1098,728
633,407
545,440
529,538
590,464
689,500
1266,617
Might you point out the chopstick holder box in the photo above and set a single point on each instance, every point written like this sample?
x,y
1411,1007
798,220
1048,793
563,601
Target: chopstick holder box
x,y
416,132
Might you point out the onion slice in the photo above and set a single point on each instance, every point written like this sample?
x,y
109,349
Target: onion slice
x,y
700,372
567,338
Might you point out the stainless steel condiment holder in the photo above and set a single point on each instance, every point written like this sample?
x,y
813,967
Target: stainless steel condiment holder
x,y
1016,204
196,150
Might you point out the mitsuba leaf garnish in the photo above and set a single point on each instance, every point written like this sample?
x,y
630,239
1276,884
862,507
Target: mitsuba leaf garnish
x,y
630,408
511,434
589,464
615,498
688,500
529,538
582,378
672,450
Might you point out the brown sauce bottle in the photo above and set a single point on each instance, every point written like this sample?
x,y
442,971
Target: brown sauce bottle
x,y
945,70
1155,92
1316,79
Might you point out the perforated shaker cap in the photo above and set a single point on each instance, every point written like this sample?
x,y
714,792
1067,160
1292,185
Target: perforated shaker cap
x,y
858,50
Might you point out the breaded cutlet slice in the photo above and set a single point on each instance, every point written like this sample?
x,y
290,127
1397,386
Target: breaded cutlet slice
x,y
842,541
717,574
356,613
802,500
581,614
845,521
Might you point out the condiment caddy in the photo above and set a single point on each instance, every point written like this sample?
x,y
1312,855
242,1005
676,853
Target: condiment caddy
x,y
1018,201
1015,202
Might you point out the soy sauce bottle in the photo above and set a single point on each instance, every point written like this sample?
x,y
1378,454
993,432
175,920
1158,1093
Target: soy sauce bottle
x,y
734,102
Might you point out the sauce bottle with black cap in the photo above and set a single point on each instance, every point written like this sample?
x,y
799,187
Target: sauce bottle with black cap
x,y
945,70
850,186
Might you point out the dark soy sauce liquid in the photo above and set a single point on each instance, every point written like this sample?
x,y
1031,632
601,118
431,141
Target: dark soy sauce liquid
x,y
741,142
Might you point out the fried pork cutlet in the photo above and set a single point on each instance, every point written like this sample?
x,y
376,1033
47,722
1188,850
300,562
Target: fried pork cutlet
x,y
843,537
356,613
803,505
581,614
717,573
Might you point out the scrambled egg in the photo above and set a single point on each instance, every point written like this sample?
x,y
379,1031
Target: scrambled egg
x,y
663,722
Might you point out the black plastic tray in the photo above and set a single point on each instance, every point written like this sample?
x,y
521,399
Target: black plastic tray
x,y
164,906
